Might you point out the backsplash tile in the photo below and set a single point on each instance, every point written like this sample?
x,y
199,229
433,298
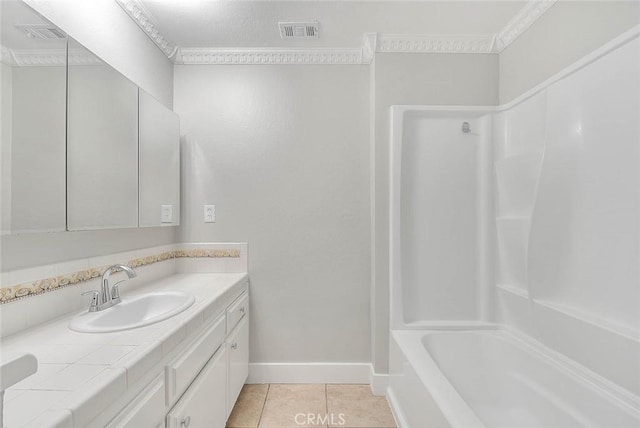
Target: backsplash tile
x,y
36,281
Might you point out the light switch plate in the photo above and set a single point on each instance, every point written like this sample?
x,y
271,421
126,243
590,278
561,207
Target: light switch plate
x,y
166,215
209,213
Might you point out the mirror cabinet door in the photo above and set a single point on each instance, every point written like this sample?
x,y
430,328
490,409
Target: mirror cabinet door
x,y
102,144
81,147
159,174
32,121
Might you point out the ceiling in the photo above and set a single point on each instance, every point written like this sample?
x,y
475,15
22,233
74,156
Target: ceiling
x,y
254,24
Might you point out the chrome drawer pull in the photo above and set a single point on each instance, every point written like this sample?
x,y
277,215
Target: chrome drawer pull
x,y
234,345
186,422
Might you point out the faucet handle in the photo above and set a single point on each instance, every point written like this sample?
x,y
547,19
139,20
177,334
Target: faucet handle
x,y
94,301
115,291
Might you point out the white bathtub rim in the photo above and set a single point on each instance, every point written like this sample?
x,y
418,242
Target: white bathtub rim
x,y
396,410
448,325
616,394
459,413
453,407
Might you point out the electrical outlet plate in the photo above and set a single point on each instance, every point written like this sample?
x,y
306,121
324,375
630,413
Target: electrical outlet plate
x,y
166,214
209,213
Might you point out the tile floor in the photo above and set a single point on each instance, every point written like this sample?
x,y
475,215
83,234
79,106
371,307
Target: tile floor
x,y
310,405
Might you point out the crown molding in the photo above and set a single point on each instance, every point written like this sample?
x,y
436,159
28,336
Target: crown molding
x,y
258,56
369,44
46,57
83,57
372,42
140,16
40,58
33,57
529,14
6,56
435,43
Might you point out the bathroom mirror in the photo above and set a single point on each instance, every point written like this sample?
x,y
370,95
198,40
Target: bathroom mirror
x,y
102,144
32,113
159,174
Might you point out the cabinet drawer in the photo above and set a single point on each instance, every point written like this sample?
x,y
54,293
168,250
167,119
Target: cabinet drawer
x,y
237,310
146,410
182,371
203,405
238,362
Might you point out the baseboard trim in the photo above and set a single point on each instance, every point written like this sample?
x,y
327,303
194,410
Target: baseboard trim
x,y
358,373
379,383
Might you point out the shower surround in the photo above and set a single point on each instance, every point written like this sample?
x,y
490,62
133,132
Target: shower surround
x,y
514,254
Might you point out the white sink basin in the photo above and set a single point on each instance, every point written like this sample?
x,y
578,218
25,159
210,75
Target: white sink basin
x,y
133,313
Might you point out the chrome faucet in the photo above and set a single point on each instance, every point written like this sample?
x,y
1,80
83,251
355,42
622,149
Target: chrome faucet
x,y
108,296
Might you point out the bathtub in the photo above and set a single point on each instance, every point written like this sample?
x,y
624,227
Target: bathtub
x,y
496,378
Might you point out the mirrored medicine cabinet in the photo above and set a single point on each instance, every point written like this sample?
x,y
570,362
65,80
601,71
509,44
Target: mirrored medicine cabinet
x,y
82,147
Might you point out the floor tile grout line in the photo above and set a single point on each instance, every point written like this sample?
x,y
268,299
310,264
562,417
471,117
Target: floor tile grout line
x,y
264,404
326,400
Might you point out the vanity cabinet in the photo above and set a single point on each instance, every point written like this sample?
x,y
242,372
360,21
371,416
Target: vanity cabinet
x,y
204,403
238,362
146,410
180,373
198,387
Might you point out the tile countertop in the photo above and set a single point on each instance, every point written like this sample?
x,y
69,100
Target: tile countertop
x,y
81,374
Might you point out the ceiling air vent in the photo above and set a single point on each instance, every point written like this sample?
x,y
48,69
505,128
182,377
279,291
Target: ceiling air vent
x,y
42,31
299,30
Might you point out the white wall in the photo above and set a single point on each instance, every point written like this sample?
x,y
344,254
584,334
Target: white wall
x,y
283,153
564,34
104,28
420,79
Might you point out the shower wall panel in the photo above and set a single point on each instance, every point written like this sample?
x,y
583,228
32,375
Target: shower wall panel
x,y
439,212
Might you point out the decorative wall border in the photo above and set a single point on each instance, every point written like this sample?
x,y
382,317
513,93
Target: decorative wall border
x,y
32,288
142,17
372,43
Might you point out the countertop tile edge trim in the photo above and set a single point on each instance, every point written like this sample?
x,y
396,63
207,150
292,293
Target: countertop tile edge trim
x,y
37,287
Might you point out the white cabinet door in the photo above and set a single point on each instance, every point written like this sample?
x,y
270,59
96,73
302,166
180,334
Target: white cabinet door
x,y
237,310
146,410
203,405
184,370
238,349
